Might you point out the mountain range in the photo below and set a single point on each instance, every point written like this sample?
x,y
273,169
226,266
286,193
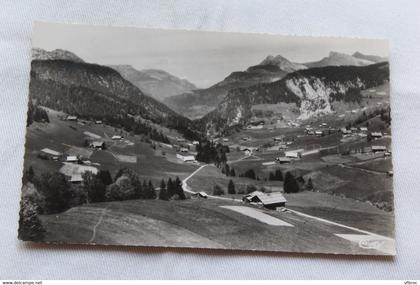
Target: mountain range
x,y
311,92
97,92
157,83
199,102
63,81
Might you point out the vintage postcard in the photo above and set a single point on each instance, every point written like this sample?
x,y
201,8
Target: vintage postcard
x,y
173,138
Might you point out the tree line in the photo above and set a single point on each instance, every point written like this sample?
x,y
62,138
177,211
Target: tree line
x,y
53,193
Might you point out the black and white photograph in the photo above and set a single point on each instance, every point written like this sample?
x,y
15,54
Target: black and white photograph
x,y
216,140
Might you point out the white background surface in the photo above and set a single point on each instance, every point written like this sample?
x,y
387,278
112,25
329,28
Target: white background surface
x,y
396,20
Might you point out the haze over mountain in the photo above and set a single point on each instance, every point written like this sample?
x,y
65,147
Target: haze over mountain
x,y
339,59
373,58
40,54
157,83
197,103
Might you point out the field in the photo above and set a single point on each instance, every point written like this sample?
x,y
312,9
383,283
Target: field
x,y
181,224
345,204
69,138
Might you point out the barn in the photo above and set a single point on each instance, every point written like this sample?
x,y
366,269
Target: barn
x,y
71,118
378,148
268,200
97,145
186,158
282,160
51,153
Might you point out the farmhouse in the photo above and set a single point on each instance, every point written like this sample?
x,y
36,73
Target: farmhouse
x,y
294,153
116,137
344,131
72,158
376,135
51,153
76,179
247,151
268,200
282,160
282,146
71,118
200,195
186,158
378,148
257,127
97,145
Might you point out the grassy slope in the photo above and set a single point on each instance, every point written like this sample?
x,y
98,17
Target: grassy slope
x,y
58,135
157,223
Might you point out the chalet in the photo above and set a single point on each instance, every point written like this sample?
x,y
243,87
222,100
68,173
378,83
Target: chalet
x,y
200,195
116,137
283,160
268,200
71,118
344,131
282,146
186,158
247,151
97,145
72,158
51,153
293,153
378,148
376,135
76,179
253,127
183,149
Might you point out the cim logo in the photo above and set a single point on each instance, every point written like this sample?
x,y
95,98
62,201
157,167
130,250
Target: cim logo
x,y
371,243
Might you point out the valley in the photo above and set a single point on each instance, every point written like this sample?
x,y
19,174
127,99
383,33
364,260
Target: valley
x,y
281,152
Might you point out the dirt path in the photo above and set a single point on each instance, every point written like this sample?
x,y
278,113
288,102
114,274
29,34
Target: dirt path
x,y
362,169
96,226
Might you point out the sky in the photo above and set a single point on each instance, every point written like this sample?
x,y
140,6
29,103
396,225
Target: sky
x,y
203,58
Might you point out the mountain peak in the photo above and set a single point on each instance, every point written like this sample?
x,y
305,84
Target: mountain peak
x,y
155,82
340,59
41,54
283,63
